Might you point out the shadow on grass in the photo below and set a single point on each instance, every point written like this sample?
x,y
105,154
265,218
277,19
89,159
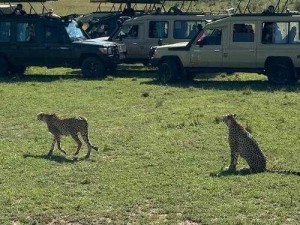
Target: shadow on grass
x,y
127,73
39,78
226,173
247,86
54,158
76,75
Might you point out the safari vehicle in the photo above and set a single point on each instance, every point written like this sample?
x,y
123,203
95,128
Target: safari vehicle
x,y
104,21
265,43
143,32
39,40
159,24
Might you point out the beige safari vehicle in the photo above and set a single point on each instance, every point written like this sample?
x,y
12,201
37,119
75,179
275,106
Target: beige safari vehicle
x,y
259,43
139,34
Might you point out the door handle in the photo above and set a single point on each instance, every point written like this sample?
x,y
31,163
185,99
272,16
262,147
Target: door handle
x,y
217,50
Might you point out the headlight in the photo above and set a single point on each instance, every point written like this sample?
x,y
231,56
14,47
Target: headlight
x,y
106,50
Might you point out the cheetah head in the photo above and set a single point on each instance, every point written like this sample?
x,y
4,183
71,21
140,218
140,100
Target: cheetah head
x,y
227,119
44,116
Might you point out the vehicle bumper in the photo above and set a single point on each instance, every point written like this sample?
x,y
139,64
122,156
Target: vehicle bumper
x,y
153,62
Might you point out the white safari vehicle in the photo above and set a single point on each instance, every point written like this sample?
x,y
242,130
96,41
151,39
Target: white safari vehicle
x,y
257,42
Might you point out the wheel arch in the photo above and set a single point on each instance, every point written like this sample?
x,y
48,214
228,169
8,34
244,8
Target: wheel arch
x,y
171,57
274,66
85,56
285,59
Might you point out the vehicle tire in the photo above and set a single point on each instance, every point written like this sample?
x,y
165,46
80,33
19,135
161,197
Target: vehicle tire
x,y
168,71
18,69
3,67
92,67
281,72
111,70
189,76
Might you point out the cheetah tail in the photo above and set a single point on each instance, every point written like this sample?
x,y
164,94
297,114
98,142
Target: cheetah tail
x,y
83,118
287,172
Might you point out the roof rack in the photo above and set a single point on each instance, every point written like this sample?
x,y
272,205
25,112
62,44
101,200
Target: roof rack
x,y
244,6
149,5
9,2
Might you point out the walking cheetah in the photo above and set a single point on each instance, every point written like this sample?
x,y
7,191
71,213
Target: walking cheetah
x,y
242,143
67,126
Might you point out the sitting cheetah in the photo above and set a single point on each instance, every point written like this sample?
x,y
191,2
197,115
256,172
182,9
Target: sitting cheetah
x,y
242,143
67,126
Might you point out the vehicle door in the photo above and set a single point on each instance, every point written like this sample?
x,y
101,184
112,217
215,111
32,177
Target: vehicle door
x,y
132,36
6,47
242,51
157,33
27,44
207,50
58,46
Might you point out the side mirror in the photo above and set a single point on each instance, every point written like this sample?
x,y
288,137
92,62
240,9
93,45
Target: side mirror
x,y
160,42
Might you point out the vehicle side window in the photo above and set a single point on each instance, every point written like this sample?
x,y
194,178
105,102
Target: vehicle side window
x,y
293,34
158,29
26,32
51,34
5,31
243,32
128,32
211,37
186,29
275,33
133,32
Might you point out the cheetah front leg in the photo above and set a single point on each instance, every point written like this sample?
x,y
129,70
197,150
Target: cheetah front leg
x,y
58,145
52,147
234,158
79,143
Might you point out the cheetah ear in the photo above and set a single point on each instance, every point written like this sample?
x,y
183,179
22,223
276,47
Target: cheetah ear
x,y
234,115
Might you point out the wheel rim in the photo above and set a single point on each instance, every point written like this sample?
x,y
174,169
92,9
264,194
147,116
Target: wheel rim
x,y
93,68
279,74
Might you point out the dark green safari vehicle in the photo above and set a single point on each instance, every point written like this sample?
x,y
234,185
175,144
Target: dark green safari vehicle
x,y
43,40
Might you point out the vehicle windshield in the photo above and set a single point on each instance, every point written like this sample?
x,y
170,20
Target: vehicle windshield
x,y
74,32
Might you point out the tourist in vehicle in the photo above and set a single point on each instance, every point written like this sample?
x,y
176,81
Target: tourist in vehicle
x,y
128,11
277,36
267,33
194,31
175,9
52,14
19,10
270,10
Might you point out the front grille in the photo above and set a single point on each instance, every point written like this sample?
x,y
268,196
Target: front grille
x,y
115,50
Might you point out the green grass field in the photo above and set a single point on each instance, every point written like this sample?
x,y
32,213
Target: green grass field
x,y
158,146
